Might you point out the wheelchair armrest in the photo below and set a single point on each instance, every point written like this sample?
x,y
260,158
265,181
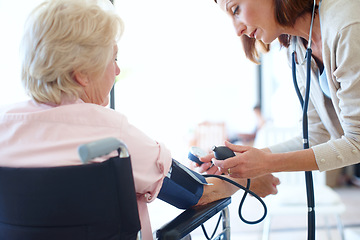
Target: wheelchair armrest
x,y
190,219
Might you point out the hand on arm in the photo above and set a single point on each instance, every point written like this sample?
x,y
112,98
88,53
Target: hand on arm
x,y
262,186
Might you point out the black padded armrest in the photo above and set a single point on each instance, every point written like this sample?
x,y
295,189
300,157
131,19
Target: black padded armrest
x,y
190,219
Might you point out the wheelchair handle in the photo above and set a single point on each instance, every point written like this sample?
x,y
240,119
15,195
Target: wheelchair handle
x,y
100,148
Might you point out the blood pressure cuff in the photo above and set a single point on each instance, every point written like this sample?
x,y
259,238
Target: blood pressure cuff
x,y
182,187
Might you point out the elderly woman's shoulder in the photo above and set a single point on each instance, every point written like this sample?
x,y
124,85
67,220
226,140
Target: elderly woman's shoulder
x,y
90,109
79,113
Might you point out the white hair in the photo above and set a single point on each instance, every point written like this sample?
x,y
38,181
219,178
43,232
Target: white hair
x,y
63,37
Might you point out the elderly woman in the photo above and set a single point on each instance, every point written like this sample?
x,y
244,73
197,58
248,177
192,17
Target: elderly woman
x,y
69,66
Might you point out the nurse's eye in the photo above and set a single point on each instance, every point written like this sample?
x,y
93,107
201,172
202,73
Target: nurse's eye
x,y
235,10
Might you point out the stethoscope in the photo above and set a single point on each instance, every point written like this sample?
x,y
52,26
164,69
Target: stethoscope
x,y
304,104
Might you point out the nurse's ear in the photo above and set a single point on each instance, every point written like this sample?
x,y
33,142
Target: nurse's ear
x,y
81,78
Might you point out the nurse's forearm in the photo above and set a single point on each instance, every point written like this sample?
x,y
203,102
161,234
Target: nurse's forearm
x,y
303,160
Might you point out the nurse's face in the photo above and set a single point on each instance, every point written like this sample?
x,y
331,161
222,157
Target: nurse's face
x,y
254,18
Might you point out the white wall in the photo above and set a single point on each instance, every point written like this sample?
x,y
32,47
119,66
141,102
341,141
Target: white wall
x,y
12,19
280,102
182,64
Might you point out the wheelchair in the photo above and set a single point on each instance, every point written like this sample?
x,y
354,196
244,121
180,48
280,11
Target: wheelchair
x,y
89,201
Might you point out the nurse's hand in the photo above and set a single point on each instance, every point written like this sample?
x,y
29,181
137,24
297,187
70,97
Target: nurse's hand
x,y
265,185
208,167
218,189
249,162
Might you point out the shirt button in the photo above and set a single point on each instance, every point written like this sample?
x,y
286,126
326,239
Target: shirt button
x,y
339,157
322,160
354,151
148,196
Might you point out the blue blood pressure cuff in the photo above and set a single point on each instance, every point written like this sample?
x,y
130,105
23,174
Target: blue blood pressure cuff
x,y
182,187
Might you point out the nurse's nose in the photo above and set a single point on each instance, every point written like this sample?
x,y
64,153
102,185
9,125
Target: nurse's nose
x,y
240,28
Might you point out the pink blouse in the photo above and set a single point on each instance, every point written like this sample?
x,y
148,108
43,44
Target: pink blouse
x,y
39,135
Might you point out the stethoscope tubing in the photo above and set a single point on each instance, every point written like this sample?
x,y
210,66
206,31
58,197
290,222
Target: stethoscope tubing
x,y
308,174
304,104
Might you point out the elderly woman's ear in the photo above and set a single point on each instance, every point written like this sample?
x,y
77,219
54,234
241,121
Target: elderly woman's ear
x,y
81,78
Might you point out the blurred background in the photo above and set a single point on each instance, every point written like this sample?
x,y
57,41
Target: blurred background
x,y
183,72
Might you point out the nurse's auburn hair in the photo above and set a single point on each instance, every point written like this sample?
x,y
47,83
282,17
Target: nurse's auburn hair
x,y
286,13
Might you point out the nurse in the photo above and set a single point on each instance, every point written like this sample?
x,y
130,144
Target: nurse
x,y
333,110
